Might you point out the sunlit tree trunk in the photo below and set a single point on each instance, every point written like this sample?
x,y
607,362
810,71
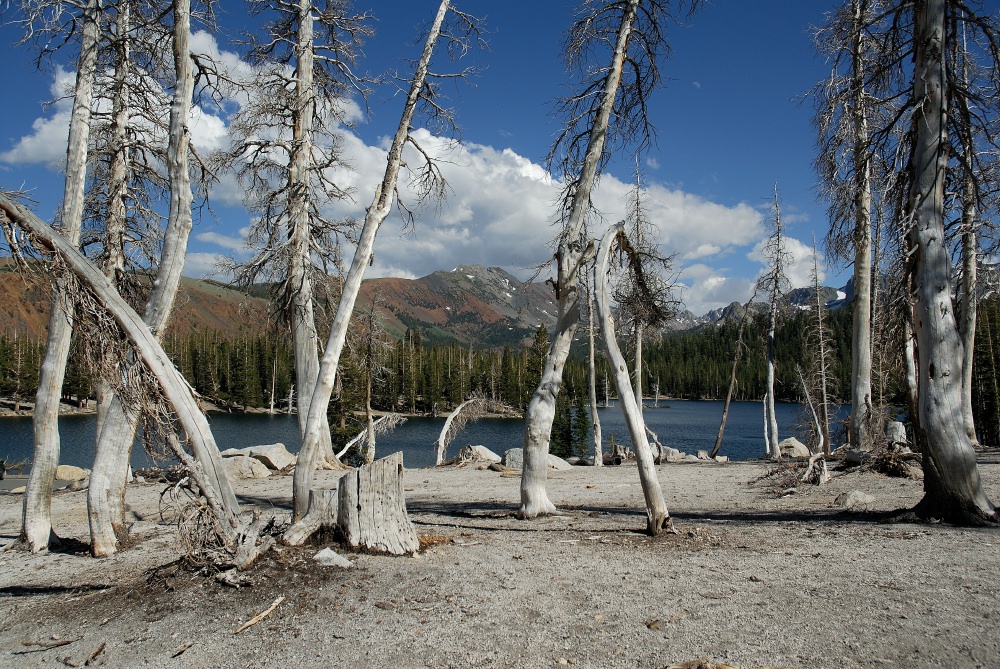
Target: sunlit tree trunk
x,y
375,215
952,485
542,408
36,524
657,517
592,381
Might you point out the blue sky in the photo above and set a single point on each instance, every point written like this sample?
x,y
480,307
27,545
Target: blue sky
x,y
731,124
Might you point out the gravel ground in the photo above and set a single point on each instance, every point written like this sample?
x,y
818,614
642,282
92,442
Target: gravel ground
x,y
751,578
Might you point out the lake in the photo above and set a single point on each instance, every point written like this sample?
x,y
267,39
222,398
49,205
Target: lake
x,y
686,425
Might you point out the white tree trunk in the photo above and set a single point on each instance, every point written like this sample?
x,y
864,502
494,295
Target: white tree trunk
x,y
770,416
657,517
36,519
542,407
173,386
444,438
376,214
595,417
861,334
305,340
952,485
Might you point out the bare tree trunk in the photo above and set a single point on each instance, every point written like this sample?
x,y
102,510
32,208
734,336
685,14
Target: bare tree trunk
x,y
444,438
861,334
36,519
637,376
106,492
657,516
541,409
305,340
595,418
952,485
173,386
770,416
375,215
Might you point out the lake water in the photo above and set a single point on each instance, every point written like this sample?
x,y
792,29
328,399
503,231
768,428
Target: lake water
x,y
685,425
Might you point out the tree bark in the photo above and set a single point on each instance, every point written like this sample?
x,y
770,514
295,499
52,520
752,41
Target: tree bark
x,y
592,382
952,485
372,509
375,215
36,518
541,409
657,516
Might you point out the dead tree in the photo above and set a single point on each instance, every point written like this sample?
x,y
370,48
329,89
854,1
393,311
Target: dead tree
x,y
422,88
617,45
657,516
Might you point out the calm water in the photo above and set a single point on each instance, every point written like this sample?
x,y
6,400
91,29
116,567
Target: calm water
x,y
685,425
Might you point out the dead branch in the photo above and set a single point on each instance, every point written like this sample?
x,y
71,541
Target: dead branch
x,y
260,616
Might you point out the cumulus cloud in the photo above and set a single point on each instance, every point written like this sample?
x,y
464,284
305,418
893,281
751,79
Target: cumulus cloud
x,y
799,267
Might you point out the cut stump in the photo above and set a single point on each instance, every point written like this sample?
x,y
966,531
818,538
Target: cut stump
x,y
372,513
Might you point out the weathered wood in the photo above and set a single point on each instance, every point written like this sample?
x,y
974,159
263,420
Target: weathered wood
x,y
322,513
372,509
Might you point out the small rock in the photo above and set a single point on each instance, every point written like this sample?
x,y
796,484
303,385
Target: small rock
x,y
855,500
19,491
514,458
330,558
722,458
273,456
691,458
855,457
703,455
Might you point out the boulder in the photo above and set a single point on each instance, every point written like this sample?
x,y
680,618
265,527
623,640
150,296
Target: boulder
x,y
793,448
514,458
478,453
691,458
245,467
330,558
855,457
71,473
855,500
272,456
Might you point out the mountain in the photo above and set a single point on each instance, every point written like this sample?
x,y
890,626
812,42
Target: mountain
x,y
471,304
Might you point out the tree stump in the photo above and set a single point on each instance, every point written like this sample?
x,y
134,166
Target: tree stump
x,y
372,511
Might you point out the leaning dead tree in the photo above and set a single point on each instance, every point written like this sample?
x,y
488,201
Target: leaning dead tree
x,y
616,46
467,412
657,516
422,90
376,428
25,231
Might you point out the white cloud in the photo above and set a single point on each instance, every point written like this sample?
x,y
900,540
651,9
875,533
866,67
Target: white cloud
x,y
799,267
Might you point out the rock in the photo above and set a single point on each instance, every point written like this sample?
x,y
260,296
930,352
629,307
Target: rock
x,y
272,456
691,458
855,500
244,467
19,491
673,455
478,453
71,473
82,484
514,458
855,457
895,433
793,448
703,455
722,458
330,558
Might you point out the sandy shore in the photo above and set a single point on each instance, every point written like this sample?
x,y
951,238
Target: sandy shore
x,y
752,578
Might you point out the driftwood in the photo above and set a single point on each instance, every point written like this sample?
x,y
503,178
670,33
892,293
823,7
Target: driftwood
x,y
260,616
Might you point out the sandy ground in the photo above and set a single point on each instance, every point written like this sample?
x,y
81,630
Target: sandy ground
x,y
752,578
